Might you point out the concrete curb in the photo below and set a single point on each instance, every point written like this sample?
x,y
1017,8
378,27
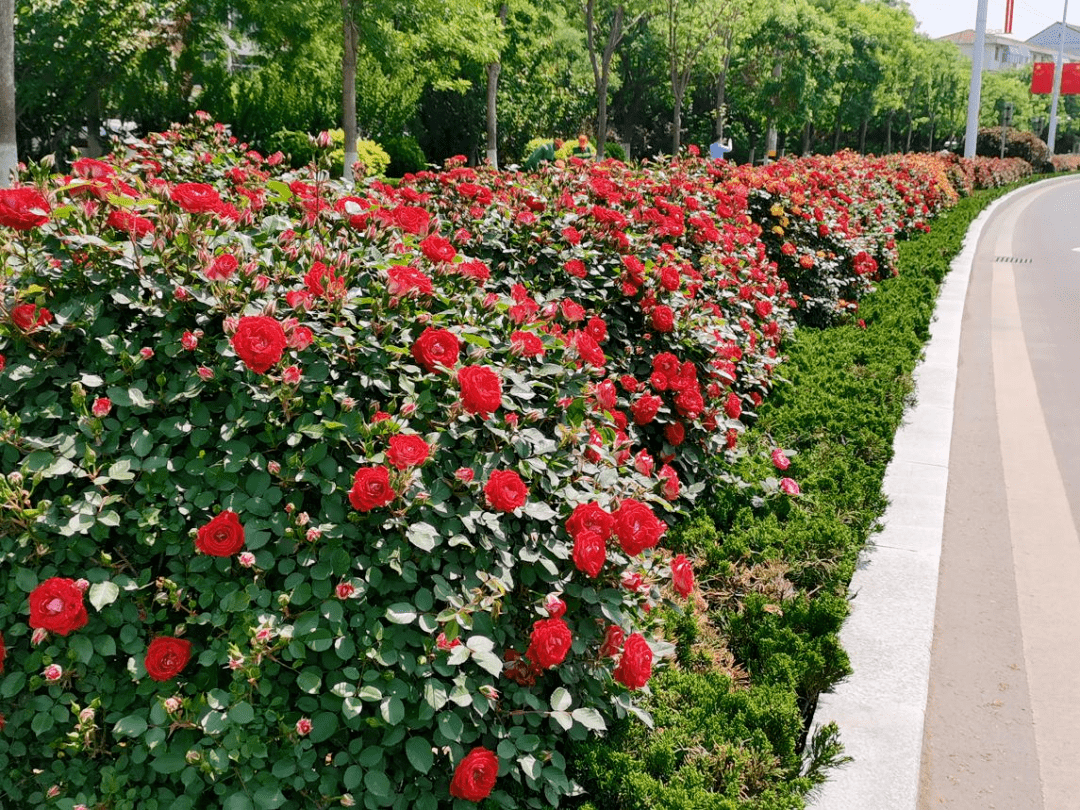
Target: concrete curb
x,y
880,708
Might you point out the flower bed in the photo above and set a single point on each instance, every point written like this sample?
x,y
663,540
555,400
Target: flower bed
x,y
317,498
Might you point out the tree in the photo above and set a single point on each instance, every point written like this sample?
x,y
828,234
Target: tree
x,y
693,29
493,69
605,25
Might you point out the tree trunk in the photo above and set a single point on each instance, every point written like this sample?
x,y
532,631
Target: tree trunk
x,y
862,136
676,125
9,151
888,134
348,73
930,146
602,68
493,70
907,145
807,138
721,103
93,124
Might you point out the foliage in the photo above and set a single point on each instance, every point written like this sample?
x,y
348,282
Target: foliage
x,y
405,155
1018,144
298,147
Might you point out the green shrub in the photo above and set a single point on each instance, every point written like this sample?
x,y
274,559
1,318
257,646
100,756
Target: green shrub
x,y
614,150
406,156
296,146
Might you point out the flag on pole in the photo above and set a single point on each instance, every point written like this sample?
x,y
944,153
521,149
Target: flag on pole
x,y
1009,5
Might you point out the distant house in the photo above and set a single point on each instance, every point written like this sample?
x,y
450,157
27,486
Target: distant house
x,y
1004,52
1050,37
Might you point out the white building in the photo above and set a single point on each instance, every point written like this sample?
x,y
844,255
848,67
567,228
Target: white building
x,y
1004,51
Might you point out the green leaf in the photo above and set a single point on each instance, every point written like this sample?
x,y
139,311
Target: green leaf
x,y
237,801
102,594
401,613
12,684
423,535
560,700
269,797
242,713
489,662
538,510
105,646
590,718
354,774
131,726
392,710
169,762
377,784
309,680
82,647
450,726
323,725
418,750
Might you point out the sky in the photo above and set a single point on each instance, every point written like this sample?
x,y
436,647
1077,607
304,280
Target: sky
x,y
940,17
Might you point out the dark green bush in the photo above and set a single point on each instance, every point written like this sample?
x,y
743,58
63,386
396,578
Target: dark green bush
x,y
405,153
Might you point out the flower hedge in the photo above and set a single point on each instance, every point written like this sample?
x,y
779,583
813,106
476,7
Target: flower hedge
x,y
319,496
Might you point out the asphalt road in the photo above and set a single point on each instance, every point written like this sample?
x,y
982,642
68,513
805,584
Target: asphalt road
x,y
1002,722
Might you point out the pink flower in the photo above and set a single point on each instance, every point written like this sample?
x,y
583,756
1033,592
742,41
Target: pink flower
x,y
101,407
465,475
303,726
780,460
205,373
291,375
313,534
189,341
644,463
53,672
38,636
789,486
300,338
273,467
344,590
235,662
555,607
246,559
172,705
146,352
445,644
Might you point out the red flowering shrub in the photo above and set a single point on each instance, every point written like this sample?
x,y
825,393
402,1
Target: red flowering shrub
x,y
23,208
379,565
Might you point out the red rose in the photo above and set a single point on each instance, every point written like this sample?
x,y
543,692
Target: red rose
x,y
527,344
259,341
667,364
29,317
221,537
733,406
590,552
576,267
57,605
671,482
781,461
505,490
637,527
436,347
481,390
404,280
371,489
635,666
130,223
438,249
682,575
596,329
590,517
411,219
645,409
675,433
474,777
197,198
222,267
23,208
689,403
588,349
166,656
549,643
613,641
407,451
663,319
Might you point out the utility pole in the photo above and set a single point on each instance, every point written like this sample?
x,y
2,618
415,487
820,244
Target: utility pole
x,y
9,152
975,88
1052,137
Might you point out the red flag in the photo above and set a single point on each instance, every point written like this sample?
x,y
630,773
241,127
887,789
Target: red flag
x,y
1009,6
1042,78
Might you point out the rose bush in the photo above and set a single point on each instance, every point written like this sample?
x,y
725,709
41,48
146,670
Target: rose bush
x,y
378,510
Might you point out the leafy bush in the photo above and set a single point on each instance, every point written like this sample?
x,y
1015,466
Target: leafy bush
x,y
405,153
1018,144
319,498
296,146
615,151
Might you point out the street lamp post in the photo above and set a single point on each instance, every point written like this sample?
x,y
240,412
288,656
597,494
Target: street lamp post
x,y
1052,137
975,88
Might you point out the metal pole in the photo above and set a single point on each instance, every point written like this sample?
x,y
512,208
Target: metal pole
x,y
1052,137
975,88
